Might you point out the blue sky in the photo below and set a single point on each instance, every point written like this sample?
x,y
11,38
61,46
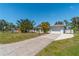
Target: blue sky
x,y
39,12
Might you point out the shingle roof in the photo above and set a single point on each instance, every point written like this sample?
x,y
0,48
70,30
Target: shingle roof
x,y
57,25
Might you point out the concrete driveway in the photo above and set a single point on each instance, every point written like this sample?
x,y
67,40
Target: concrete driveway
x,y
28,47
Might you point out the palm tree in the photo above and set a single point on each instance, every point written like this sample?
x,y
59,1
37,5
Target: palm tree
x,y
25,25
66,24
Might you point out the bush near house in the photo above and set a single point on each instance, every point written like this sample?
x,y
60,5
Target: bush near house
x,y
45,26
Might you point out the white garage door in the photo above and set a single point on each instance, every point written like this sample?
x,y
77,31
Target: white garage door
x,y
57,32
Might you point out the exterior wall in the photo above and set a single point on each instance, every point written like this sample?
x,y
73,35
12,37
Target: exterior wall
x,y
39,31
69,31
57,32
63,32
57,29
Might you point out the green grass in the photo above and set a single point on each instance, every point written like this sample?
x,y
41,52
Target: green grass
x,y
67,47
8,37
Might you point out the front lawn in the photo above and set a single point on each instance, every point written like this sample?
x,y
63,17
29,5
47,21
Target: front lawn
x,y
67,47
8,37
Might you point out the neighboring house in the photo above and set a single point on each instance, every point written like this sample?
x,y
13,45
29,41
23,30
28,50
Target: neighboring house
x,y
39,30
15,30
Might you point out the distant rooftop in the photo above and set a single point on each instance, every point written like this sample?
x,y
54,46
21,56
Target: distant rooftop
x,y
57,25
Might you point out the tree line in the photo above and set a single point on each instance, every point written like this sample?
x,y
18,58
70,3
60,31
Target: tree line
x,y
25,25
6,26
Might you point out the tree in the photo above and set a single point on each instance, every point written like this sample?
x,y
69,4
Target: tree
x,y
6,26
59,23
75,23
66,23
11,27
45,26
25,25
3,25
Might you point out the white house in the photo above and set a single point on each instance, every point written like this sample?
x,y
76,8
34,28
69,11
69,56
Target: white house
x,y
56,29
59,29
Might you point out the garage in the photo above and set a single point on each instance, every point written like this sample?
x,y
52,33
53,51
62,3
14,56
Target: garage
x,y
57,29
